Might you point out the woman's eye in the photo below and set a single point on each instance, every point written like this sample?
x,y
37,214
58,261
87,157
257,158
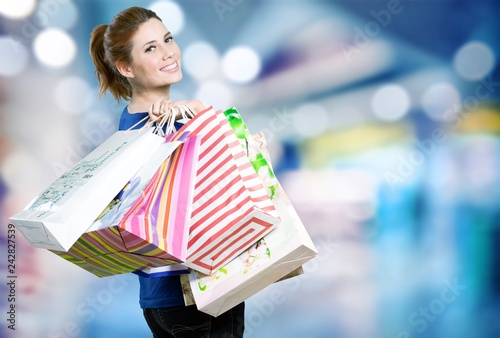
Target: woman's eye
x,y
150,48
169,39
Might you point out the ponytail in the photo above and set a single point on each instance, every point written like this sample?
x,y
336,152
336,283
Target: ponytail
x,y
107,76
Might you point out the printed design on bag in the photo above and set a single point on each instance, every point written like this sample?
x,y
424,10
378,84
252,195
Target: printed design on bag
x,y
258,161
266,175
205,282
74,178
239,127
255,256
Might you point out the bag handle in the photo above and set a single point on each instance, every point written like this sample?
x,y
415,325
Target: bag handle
x,y
166,119
135,125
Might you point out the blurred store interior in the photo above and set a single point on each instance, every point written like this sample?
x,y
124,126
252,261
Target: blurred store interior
x,y
383,123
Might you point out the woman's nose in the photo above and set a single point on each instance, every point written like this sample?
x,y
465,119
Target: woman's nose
x,y
167,52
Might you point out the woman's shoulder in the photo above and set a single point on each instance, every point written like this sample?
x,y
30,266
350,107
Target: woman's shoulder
x,y
127,120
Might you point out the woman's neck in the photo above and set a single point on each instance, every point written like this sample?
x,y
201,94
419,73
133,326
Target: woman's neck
x,y
141,101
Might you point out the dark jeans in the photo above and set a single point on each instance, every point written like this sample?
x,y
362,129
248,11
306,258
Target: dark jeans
x,y
188,322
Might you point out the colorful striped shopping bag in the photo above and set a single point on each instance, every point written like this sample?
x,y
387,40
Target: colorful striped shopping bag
x,y
161,215
231,208
150,230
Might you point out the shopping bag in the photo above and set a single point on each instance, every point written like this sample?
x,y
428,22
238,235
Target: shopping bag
x,y
273,257
260,158
231,208
57,217
148,223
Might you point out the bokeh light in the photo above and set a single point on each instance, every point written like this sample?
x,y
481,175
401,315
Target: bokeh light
x,y
200,60
63,15
310,119
440,101
241,64
54,48
18,9
390,102
474,60
171,14
13,58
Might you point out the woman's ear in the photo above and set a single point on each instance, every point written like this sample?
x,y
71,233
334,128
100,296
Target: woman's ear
x,y
124,69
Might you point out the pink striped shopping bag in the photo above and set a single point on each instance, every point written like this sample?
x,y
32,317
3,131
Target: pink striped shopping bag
x,y
160,216
231,209
153,230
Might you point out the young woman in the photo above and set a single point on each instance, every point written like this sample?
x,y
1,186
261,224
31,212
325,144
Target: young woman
x,y
137,60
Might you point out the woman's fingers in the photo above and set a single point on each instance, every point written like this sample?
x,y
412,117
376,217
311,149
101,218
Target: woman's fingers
x,y
152,115
176,111
154,110
194,106
163,108
158,109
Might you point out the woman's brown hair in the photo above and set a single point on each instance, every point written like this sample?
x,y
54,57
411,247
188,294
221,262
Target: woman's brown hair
x,y
112,43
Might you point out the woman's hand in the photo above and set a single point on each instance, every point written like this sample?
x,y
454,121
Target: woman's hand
x,y
194,105
163,107
159,109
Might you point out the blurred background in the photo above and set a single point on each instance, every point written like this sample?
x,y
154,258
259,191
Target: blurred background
x,y
383,123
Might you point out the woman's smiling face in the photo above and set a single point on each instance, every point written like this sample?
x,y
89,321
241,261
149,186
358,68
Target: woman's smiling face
x,y
156,57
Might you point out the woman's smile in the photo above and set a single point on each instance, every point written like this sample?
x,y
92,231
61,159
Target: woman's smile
x,y
171,68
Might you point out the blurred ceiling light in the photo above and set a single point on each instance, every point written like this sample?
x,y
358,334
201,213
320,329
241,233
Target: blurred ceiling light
x,y
171,14
305,14
474,60
310,119
14,56
74,95
200,60
18,9
390,102
325,72
54,48
440,101
215,94
57,14
241,64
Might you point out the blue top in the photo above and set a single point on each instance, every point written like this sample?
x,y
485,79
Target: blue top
x,y
154,292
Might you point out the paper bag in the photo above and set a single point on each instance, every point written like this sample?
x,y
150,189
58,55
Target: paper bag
x,y
231,208
276,255
67,208
148,224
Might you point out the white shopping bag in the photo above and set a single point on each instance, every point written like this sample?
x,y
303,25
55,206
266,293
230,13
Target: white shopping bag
x,y
57,217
